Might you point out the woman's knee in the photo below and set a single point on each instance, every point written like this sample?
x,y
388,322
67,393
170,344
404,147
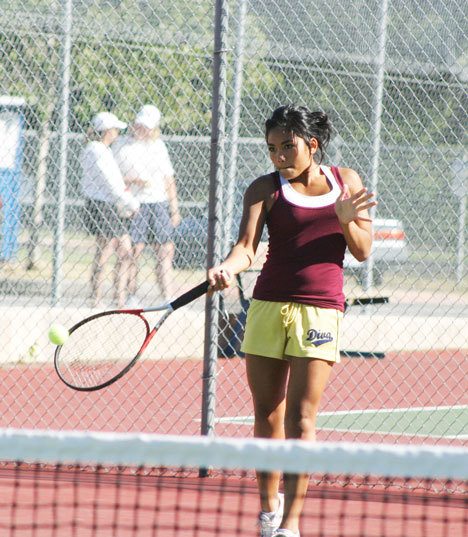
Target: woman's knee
x,y
300,421
269,422
270,413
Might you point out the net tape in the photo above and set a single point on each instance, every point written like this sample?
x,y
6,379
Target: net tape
x,y
291,456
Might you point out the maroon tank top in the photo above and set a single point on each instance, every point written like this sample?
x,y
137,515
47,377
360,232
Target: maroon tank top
x,y
306,247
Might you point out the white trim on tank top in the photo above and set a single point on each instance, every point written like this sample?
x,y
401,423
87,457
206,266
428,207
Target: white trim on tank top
x,y
302,200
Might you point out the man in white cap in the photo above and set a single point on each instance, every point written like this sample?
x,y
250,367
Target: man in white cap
x,y
147,168
108,206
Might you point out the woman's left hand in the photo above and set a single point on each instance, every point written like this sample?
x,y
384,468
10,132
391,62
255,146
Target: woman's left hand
x,y
348,207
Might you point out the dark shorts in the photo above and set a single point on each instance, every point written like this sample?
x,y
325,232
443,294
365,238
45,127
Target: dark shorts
x,y
102,220
152,224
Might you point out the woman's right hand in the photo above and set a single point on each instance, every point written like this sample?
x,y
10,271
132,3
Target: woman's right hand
x,y
219,278
128,206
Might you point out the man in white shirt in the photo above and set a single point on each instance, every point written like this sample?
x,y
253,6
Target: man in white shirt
x,y
108,206
145,164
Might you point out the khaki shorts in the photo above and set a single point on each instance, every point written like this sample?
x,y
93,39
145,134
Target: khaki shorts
x,y
282,329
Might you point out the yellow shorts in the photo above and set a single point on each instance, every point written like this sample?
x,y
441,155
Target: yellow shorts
x,y
282,329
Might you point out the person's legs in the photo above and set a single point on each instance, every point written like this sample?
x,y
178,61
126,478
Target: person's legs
x,y
307,380
122,269
160,234
105,247
133,269
267,379
164,273
139,230
265,334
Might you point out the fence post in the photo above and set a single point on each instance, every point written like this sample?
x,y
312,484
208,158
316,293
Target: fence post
x,y
377,125
234,127
214,214
57,259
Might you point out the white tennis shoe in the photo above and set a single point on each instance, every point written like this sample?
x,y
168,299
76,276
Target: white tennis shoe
x,y
269,522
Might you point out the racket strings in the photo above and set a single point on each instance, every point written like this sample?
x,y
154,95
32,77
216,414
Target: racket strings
x,y
101,348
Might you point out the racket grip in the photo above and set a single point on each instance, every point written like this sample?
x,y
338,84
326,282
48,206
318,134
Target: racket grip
x,y
191,295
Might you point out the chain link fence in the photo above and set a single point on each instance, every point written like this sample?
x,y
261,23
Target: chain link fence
x,y
393,77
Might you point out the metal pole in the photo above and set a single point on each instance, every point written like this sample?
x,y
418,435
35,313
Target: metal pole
x,y
377,123
460,189
234,131
214,214
461,240
57,260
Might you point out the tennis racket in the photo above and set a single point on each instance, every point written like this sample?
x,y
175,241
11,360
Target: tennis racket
x,y
105,346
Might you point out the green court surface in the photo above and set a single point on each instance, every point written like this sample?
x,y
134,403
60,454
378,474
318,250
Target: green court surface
x,y
449,422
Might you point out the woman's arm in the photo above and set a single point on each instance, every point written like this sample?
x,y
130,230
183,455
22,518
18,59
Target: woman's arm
x,y
106,174
351,207
255,207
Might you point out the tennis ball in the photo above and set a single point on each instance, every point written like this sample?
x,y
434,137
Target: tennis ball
x,y
58,334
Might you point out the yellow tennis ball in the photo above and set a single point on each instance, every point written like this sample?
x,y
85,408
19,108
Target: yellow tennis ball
x,y
58,334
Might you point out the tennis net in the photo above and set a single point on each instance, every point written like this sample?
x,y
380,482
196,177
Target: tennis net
x,y
120,485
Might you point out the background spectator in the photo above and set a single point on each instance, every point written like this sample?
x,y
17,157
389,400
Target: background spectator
x,y
108,206
144,161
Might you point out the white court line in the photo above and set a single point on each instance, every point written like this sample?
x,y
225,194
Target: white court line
x,y
393,433
395,410
248,420
234,419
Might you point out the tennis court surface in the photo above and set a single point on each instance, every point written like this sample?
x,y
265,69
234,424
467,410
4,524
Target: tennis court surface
x,y
121,484
398,399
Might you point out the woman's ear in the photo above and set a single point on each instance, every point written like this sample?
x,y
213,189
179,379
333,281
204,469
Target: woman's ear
x,y
313,145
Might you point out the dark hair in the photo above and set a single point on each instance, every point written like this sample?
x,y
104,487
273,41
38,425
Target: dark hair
x,y
303,123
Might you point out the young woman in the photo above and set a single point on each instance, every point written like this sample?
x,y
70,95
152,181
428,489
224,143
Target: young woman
x,y
108,206
313,212
147,168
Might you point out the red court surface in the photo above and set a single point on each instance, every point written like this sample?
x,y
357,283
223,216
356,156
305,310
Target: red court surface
x,y
75,503
165,396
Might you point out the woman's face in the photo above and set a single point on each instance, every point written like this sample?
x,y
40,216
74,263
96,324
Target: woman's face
x,y
111,135
289,153
141,132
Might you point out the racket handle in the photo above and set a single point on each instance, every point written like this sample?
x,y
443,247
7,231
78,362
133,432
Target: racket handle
x,y
191,295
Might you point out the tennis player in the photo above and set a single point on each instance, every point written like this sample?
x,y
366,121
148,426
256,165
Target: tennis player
x,y
291,342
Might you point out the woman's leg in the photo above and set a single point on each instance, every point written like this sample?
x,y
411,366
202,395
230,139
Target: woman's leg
x,y
122,269
267,379
307,381
133,269
164,273
104,249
